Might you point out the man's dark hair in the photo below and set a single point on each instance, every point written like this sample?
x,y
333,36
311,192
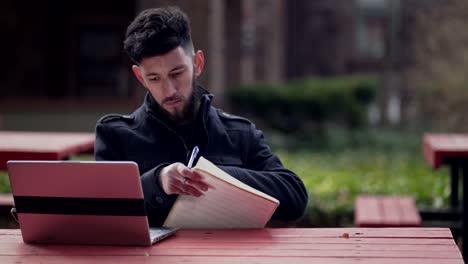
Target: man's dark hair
x,y
156,32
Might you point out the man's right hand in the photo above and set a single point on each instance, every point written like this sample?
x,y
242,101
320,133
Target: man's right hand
x,y
178,179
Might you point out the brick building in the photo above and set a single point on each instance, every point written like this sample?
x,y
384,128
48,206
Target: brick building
x,y
64,65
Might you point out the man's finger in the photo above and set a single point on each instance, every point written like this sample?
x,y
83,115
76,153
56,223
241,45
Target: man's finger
x,y
198,185
176,189
192,191
187,188
188,173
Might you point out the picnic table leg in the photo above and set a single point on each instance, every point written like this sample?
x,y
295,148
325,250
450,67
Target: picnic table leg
x,y
454,180
464,213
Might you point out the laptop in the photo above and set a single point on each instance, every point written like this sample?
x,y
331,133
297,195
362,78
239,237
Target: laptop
x,y
81,202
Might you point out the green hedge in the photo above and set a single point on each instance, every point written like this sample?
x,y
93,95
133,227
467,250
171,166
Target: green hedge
x,y
289,106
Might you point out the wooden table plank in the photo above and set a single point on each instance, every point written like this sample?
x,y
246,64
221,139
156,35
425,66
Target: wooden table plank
x,y
304,236
215,260
18,141
14,246
286,240
439,146
307,253
60,250
390,211
368,210
18,145
325,232
410,213
389,232
6,199
304,246
386,211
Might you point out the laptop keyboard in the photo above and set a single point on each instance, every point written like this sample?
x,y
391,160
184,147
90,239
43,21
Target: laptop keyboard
x,y
159,233
154,232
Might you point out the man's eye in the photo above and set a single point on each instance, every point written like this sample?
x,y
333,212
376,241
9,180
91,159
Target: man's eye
x,y
176,74
154,79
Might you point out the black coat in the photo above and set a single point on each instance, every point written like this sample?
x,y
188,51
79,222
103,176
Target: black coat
x,y
233,143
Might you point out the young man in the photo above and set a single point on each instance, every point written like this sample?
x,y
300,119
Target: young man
x,y
177,115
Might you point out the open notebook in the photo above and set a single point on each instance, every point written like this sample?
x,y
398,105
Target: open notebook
x,y
230,203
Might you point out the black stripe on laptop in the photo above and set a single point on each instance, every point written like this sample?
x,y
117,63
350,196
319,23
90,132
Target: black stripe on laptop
x,y
80,206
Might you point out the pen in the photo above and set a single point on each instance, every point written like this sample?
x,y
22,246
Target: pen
x,y
192,157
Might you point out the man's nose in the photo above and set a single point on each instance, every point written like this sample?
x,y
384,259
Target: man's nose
x,y
169,88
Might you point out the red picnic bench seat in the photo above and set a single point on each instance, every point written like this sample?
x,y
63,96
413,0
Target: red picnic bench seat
x,y
386,211
6,203
6,200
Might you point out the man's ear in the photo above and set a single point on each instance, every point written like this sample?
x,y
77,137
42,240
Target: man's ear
x,y
137,71
199,62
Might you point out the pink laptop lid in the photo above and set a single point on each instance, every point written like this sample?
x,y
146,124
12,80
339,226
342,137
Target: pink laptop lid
x,y
74,202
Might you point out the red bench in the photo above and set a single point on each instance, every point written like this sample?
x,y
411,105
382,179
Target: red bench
x,y
386,211
6,203
6,200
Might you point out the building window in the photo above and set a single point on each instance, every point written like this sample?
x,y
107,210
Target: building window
x,y
371,38
371,29
99,65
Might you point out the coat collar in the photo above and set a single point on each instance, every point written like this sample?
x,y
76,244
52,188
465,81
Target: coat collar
x,y
152,108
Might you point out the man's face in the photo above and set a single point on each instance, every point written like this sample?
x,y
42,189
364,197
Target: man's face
x,y
170,79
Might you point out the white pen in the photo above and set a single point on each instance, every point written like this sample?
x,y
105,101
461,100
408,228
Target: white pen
x,y
192,157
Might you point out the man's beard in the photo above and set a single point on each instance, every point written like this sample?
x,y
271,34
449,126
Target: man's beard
x,y
188,112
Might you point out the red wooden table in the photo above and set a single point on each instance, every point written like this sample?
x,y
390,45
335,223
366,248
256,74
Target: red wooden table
x,y
451,150
288,245
42,145
439,149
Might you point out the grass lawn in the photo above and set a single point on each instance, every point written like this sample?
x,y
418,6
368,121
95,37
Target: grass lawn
x,y
4,182
335,179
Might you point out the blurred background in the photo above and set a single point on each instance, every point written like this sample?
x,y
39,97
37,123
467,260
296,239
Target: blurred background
x,y
343,89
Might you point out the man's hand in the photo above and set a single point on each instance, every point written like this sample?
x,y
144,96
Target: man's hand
x,y
178,179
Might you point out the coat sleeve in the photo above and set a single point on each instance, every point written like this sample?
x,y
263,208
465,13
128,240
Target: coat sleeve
x,y
265,172
157,202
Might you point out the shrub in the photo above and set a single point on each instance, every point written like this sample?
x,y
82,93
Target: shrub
x,y
311,102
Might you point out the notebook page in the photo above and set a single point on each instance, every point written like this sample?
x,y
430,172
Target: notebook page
x,y
205,165
223,206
